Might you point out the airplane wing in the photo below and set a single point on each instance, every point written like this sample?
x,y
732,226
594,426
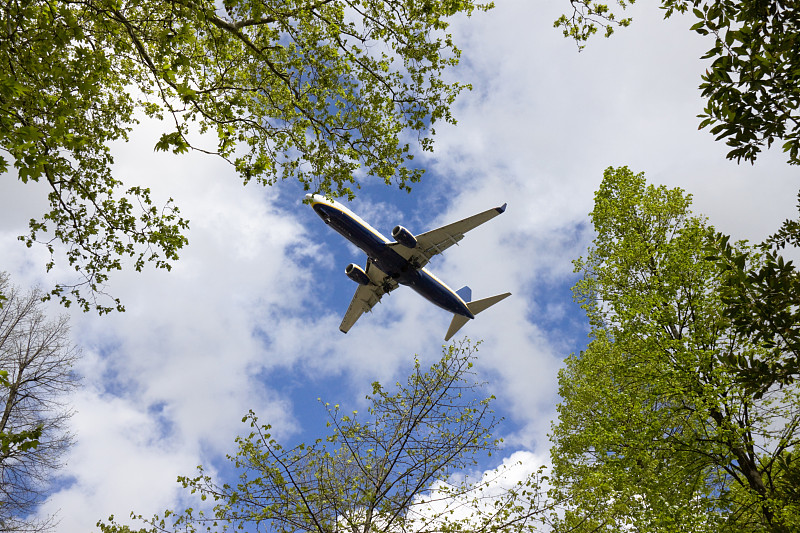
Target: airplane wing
x,y
438,240
367,296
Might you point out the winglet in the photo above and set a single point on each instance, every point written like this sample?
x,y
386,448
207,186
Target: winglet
x,y
502,208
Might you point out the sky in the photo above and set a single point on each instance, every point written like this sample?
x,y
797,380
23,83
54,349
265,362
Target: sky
x,y
248,318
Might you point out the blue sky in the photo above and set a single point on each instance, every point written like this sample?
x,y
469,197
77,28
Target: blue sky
x,y
249,316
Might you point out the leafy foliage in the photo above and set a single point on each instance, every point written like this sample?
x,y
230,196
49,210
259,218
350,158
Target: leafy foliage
x,y
387,471
761,292
752,86
312,90
656,431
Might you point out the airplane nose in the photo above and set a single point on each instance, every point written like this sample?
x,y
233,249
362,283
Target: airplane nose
x,y
315,199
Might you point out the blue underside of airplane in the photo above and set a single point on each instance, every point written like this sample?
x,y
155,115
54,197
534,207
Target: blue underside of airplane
x,y
382,255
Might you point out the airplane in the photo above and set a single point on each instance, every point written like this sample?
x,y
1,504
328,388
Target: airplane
x,y
390,264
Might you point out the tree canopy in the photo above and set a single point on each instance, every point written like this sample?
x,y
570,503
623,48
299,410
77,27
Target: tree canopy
x,y
752,92
656,430
313,90
752,84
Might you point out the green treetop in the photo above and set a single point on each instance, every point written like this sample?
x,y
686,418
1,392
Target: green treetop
x,y
656,429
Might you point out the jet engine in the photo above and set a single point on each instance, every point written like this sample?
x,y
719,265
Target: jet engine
x,y
404,237
357,274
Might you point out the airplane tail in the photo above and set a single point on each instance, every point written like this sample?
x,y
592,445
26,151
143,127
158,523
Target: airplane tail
x,y
474,307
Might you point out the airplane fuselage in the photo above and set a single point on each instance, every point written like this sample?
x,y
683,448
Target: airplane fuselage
x,y
378,249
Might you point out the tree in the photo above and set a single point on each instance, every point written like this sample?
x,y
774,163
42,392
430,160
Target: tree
x,y
35,364
385,472
752,86
305,89
656,432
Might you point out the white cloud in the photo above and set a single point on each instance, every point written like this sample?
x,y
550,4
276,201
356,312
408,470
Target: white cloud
x,y
168,381
120,460
490,487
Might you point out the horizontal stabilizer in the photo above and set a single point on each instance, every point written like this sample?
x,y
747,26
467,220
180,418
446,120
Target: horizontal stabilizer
x,y
475,307
481,305
457,323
